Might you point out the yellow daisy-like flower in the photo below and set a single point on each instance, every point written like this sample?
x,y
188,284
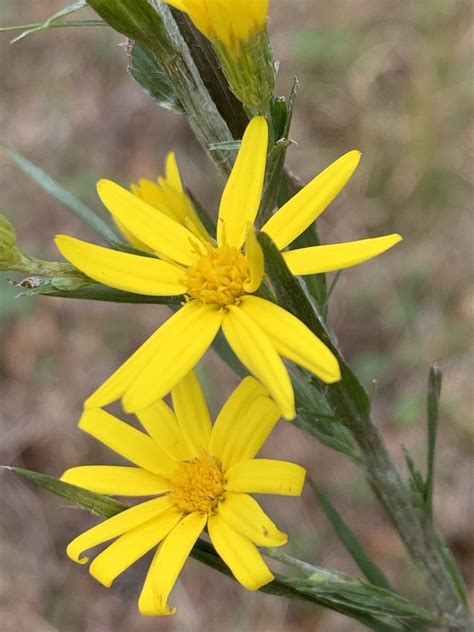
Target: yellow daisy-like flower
x,y
226,21
219,279
202,475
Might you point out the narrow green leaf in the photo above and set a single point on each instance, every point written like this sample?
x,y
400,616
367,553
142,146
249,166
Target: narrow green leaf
x,y
78,208
210,70
315,417
284,587
147,71
378,608
91,292
137,19
451,565
39,26
416,482
95,503
281,115
371,571
434,393
332,287
348,398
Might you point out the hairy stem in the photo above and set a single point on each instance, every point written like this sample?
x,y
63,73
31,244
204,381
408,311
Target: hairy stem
x,y
395,497
204,118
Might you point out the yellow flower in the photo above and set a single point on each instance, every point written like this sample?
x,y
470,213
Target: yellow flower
x,y
202,475
226,21
237,30
219,279
167,195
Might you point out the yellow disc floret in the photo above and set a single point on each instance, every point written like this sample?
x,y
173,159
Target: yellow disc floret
x,y
197,485
218,277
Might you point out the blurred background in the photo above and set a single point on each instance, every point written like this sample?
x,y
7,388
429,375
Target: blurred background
x,y
392,79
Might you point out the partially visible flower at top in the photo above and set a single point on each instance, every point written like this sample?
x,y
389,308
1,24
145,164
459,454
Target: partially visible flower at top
x,y
202,475
238,32
219,280
227,21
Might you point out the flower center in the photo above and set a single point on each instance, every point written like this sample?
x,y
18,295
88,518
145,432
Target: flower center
x,y
218,277
197,485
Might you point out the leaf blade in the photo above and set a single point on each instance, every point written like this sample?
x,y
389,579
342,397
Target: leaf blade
x,y
371,571
67,199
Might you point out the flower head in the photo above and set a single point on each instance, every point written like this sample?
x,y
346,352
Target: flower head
x,y
237,30
225,21
201,475
219,278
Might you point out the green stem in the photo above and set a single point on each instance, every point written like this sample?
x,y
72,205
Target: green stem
x,y
204,118
350,405
392,492
54,25
39,267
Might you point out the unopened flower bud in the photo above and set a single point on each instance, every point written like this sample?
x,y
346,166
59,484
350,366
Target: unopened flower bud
x,y
10,256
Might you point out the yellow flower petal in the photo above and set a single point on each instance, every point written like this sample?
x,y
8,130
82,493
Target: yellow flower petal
x,y
131,546
156,230
116,480
255,350
291,338
337,256
245,516
266,476
181,342
220,19
161,424
166,202
239,553
192,413
223,21
301,211
132,239
167,565
255,260
115,386
243,191
132,444
172,172
115,526
243,424
132,273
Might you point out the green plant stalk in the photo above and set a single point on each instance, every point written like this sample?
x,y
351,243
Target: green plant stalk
x,y
350,404
39,267
210,70
392,492
204,118
151,23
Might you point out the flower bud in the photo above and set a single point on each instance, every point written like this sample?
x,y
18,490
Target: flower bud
x,y
10,256
239,36
249,68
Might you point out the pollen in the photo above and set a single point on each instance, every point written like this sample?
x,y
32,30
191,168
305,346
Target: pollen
x,y
197,485
218,276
